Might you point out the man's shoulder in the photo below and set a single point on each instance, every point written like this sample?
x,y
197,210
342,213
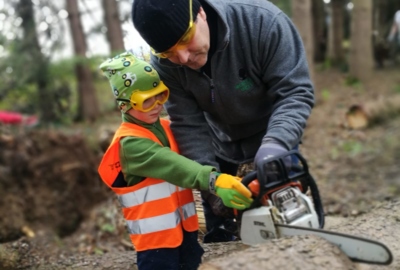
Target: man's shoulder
x,y
239,4
244,11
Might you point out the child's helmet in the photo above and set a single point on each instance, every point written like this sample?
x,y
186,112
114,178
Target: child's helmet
x,y
132,81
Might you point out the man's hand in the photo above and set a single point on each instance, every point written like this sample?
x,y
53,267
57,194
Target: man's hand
x,y
232,192
269,150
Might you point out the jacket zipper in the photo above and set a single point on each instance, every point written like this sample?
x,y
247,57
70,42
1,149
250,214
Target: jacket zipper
x,y
212,91
212,87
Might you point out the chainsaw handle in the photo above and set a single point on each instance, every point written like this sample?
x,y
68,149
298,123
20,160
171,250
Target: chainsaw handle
x,y
246,180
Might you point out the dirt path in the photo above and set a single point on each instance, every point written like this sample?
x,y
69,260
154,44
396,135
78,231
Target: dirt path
x,y
309,252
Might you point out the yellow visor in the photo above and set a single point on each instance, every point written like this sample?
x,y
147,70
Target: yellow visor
x,y
145,101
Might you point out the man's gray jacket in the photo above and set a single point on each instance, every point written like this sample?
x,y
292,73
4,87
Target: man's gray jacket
x,y
260,87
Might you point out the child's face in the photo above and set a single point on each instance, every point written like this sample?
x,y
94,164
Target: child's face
x,y
149,117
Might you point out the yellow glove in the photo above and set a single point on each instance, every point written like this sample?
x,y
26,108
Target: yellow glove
x,y
232,192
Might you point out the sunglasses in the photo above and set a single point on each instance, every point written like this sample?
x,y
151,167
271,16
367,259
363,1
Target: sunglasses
x,y
183,41
145,101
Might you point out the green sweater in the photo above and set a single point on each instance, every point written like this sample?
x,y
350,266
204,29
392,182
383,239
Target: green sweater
x,y
142,157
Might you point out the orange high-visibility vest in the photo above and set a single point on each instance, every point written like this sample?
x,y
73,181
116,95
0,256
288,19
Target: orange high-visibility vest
x,y
155,210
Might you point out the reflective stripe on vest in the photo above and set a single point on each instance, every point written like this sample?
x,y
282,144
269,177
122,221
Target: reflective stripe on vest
x,y
146,194
160,223
155,210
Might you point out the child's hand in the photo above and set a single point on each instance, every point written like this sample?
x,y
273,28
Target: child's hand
x,y
232,192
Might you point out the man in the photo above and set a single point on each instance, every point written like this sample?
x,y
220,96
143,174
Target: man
x,y
238,79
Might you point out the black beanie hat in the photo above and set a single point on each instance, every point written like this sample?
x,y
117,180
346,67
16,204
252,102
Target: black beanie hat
x,y
161,23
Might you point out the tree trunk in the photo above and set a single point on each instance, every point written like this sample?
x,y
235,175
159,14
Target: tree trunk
x,y
380,20
302,17
87,101
361,56
319,28
383,18
114,30
31,51
335,43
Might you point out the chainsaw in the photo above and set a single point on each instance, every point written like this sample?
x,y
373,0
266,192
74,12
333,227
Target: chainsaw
x,y
287,202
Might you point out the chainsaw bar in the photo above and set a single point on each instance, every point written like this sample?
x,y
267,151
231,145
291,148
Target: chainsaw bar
x,y
358,249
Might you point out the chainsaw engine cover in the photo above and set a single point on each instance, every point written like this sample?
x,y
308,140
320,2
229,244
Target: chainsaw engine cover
x,y
292,207
287,206
257,226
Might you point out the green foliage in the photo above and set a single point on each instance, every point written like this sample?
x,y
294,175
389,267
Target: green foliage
x,y
327,63
397,88
349,148
104,94
352,148
63,69
334,153
343,67
325,94
107,227
98,251
18,92
353,82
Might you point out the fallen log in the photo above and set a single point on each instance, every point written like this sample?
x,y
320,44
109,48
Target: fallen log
x,y
360,116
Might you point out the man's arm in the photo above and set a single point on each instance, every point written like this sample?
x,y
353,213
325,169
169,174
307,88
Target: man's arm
x,y
287,77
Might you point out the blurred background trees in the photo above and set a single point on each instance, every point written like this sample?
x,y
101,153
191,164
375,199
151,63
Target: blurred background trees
x,y
50,50
87,101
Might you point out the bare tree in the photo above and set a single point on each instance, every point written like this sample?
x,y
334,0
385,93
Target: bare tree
x,y
361,56
335,36
88,108
319,28
30,51
302,17
114,30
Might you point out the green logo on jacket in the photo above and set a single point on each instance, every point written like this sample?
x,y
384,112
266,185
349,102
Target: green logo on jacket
x,y
245,85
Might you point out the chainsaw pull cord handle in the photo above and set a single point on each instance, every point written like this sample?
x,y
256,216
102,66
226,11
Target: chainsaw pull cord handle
x,y
246,180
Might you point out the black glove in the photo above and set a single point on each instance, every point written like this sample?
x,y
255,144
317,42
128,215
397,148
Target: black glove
x,y
217,206
272,149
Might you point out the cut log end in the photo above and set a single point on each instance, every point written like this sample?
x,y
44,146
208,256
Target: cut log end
x,y
357,117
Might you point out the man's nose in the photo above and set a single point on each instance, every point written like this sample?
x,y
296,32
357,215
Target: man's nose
x,y
182,56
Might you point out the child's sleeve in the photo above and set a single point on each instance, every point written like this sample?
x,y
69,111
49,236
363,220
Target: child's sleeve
x,y
141,157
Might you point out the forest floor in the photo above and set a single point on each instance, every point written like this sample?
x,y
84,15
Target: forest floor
x,y
357,172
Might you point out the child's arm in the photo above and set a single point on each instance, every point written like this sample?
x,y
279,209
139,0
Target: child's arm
x,y
142,157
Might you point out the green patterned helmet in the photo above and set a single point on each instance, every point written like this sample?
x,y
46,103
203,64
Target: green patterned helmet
x,y
134,82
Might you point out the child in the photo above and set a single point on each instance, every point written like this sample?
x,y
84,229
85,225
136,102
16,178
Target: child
x,y
152,181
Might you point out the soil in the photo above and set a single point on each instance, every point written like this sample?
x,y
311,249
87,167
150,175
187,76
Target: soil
x,y
57,214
